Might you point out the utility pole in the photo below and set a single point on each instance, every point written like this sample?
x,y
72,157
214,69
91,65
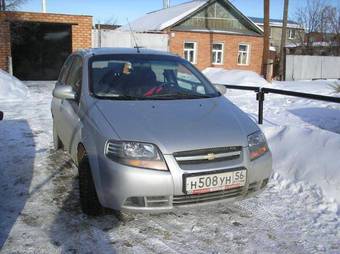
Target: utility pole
x,y
2,5
43,6
283,39
266,40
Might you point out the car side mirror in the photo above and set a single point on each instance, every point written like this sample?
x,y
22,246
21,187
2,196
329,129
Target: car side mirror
x,y
1,115
64,92
221,88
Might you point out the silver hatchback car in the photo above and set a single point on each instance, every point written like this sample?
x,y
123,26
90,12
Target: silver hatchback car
x,y
149,132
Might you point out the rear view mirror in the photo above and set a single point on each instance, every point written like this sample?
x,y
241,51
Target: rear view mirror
x,y
1,115
221,88
64,92
200,89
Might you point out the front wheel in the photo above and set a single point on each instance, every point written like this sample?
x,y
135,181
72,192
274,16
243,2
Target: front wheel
x,y
89,201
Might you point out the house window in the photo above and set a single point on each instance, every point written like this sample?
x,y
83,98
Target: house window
x,y
291,33
217,53
190,51
243,54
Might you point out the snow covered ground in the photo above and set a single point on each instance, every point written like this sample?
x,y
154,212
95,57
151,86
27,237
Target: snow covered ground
x,y
11,87
298,212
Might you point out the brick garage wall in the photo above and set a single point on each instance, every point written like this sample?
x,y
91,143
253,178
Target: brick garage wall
x,y
81,29
231,44
5,45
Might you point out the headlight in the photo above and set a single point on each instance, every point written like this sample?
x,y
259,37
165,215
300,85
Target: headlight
x,y
135,154
257,145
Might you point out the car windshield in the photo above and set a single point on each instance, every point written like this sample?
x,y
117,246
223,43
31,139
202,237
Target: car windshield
x,y
147,77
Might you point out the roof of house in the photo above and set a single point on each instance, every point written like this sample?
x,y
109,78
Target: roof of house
x,y
161,19
275,22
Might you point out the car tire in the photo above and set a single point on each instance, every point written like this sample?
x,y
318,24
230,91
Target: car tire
x,y
89,201
57,144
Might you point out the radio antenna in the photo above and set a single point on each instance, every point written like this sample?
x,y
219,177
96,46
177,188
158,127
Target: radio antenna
x,y
133,37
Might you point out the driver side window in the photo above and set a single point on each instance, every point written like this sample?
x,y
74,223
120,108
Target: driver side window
x,y
74,78
65,70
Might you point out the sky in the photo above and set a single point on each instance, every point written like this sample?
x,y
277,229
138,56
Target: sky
x,y
117,11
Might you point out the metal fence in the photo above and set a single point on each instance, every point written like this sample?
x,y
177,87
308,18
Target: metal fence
x,y
113,38
261,91
301,67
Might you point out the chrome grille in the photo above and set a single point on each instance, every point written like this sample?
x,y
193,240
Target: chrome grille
x,y
208,155
206,197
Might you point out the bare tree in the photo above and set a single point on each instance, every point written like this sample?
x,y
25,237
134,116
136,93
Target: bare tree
x,y
332,17
311,18
10,5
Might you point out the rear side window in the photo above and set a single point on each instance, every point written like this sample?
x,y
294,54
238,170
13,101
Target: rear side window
x,y
75,77
65,70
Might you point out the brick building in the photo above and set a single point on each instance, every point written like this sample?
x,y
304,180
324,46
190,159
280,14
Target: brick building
x,y
38,43
295,33
208,33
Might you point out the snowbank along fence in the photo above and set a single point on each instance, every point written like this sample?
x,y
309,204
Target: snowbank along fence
x,y
261,91
301,67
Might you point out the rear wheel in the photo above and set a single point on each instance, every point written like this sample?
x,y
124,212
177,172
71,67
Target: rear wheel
x,y
89,201
56,140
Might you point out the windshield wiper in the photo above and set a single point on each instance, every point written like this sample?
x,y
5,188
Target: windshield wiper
x,y
175,96
120,97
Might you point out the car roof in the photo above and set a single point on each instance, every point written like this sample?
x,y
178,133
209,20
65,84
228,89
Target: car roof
x,y
122,51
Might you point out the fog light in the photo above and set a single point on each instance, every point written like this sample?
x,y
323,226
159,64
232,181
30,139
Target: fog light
x,y
135,201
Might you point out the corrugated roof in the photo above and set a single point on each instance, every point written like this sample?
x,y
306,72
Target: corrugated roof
x,y
161,19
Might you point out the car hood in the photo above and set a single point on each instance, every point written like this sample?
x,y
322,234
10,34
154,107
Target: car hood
x,y
179,125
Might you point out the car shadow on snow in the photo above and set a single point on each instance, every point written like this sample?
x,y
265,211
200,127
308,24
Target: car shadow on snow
x,y
17,154
323,118
71,230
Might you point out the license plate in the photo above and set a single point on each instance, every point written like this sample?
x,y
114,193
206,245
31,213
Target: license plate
x,y
215,182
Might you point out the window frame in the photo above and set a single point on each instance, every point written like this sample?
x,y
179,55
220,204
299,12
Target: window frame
x,y
290,32
217,51
194,50
247,53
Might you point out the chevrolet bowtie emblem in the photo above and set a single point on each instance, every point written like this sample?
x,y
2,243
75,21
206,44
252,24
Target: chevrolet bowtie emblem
x,y
211,156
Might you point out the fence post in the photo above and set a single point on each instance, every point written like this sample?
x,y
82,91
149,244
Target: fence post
x,y
260,99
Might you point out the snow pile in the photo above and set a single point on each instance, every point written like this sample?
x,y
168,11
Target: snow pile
x,y
234,77
306,155
304,137
11,88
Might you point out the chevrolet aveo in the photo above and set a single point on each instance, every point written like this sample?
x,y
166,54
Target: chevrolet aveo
x,y
149,132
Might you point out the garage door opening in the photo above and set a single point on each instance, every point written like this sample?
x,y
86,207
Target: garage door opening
x,y
39,49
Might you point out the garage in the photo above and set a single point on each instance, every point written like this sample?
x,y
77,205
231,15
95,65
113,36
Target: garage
x,y
33,46
48,44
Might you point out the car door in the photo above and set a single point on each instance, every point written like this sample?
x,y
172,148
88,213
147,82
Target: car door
x,y
56,102
69,109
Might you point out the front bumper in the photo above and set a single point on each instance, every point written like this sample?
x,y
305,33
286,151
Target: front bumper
x,y
142,190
